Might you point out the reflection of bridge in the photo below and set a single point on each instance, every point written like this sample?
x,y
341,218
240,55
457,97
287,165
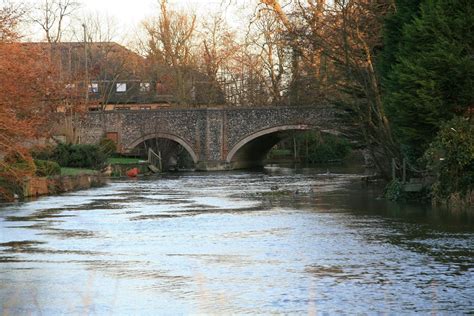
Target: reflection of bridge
x,y
216,139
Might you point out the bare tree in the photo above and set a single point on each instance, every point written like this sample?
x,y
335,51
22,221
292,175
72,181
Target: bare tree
x,y
219,45
171,42
337,42
52,15
273,53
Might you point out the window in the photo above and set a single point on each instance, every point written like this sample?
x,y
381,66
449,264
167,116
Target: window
x,y
121,87
144,87
94,87
122,108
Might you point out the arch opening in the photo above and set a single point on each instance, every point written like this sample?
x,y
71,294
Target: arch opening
x,y
176,154
251,151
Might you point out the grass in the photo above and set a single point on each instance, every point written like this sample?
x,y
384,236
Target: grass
x,y
76,171
280,152
122,160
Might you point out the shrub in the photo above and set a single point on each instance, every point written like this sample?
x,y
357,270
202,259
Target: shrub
x,y
86,156
327,148
79,156
22,164
108,146
15,166
46,168
394,191
279,153
61,154
451,158
42,152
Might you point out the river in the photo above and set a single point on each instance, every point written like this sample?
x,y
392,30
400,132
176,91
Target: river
x,y
303,241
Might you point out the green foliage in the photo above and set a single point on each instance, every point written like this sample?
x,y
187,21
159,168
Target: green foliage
x,y
313,147
322,147
9,187
76,171
122,160
79,156
42,152
76,156
21,164
394,191
279,153
433,77
451,158
13,169
406,11
185,160
108,146
46,168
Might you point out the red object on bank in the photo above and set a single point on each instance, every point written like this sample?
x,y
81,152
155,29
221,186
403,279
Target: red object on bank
x,y
132,173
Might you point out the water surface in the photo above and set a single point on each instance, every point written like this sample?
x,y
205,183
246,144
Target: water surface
x,y
278,241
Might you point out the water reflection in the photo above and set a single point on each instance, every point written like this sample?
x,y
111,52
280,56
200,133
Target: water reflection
x,y
244,242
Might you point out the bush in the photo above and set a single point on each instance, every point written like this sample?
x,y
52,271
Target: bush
x,y
22,164
394,191
451,158
46,168
42,152
61,154
79,156
15,166
326,148
280,153
108,146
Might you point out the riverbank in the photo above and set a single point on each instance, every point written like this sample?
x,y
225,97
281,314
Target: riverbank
x,y
40,186
73,179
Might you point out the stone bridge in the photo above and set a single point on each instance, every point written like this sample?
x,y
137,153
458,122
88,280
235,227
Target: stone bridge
x,y
216,139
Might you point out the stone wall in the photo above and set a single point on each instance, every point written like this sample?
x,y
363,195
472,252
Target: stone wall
x,y
208,134
61,184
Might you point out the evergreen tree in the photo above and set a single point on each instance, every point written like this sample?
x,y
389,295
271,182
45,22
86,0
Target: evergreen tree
x,y
433,77
404,13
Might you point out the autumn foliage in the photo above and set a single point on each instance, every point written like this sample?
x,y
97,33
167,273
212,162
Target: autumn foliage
x,y
27,97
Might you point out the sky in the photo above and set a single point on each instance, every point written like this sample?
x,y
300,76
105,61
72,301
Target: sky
x,y
127,15
131,12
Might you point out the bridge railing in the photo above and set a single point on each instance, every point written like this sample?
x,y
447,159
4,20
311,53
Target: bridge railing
x,y
154,159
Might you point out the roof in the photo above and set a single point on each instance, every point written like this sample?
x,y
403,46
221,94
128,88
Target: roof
x,y
103,57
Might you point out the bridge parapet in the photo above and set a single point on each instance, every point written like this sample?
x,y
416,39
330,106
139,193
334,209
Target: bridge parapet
x,y
209,135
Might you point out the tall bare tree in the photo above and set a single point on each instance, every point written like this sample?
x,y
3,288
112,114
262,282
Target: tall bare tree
x,y
52,16
219,45
346,34
170,42
273,52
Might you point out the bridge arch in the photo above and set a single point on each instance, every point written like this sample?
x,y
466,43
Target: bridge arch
x,y
172,137
267,132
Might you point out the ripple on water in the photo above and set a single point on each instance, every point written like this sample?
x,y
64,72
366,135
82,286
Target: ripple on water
x,y
239,242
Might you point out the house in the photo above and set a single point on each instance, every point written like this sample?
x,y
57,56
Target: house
x,y
110,76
